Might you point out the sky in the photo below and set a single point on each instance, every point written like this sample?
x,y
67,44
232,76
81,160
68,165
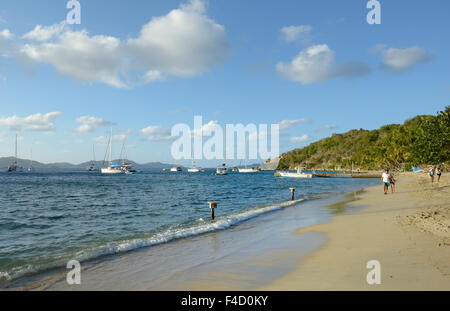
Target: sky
x,y
140,67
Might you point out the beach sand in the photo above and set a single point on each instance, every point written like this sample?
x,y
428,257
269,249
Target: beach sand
x,y
408,232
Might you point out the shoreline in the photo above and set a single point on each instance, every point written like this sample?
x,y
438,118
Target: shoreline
x,y
407,232
246,256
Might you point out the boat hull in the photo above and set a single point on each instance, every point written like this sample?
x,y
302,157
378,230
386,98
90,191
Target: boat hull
x,y
247,170
193,170
111,171
294,175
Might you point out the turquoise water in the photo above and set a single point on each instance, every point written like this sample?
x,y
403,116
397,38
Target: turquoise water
x,y
47,219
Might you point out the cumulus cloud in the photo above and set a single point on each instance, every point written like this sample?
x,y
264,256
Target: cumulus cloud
x,y
183,43
81,57
156,133
316,64
89,124
36,122
293,33
116,137
45,33
6,34
399,60
286,124
301,139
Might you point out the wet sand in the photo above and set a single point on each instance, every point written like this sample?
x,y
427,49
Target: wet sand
x,y
408,232
244,257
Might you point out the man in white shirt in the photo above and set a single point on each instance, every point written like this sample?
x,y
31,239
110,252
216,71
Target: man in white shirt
x,y
386,179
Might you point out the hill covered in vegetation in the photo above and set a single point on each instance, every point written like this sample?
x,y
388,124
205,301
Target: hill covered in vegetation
x,y
421,140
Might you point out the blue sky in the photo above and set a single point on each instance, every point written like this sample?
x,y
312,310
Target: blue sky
x,y
139,65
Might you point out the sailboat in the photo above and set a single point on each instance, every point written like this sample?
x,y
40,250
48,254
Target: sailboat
x,y
176,169
194,169
91,166
111,168
127,167
14,167
247,169
30,168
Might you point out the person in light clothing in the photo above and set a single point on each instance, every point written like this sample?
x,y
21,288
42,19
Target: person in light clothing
x,y
386,179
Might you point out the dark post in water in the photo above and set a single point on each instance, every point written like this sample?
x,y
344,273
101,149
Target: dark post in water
x,y
292,192
212,206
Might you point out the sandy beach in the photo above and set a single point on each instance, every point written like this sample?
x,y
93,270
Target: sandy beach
x,y
408,232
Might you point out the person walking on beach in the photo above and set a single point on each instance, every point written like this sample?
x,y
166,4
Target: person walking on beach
x,y
438,173
385,179
392,182
431,174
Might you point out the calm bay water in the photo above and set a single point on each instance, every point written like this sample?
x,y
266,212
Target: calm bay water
x,y
47,219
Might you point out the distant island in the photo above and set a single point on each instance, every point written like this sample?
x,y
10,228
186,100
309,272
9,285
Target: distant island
x,y
419,141
63,166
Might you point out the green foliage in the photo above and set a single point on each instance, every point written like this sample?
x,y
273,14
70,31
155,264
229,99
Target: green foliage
x,y
421,140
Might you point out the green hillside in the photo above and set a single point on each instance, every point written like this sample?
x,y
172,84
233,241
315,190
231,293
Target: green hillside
x,y
421,140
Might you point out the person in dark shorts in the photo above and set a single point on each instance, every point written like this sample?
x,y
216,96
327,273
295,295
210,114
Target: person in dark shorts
x,y
392,182
438,173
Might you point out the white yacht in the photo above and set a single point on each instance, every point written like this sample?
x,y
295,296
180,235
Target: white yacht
x,y
247,169
298,174
194,169
176,169
112,168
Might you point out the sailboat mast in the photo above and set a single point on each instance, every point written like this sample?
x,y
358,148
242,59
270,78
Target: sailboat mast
x,y
15,160
110,148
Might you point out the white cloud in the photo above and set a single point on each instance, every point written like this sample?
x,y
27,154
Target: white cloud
x,y
206,129
36,122
293,33
183,43
81,57
156,133
301,139
89,124
316,64
327,128
404,59
377,48
45,33
286,124
6,34
121,136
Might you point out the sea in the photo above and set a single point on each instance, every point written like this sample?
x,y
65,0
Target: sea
x,y
49,218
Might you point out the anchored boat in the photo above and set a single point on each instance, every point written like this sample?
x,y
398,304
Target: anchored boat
x,y
14,167
298,174
112,168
